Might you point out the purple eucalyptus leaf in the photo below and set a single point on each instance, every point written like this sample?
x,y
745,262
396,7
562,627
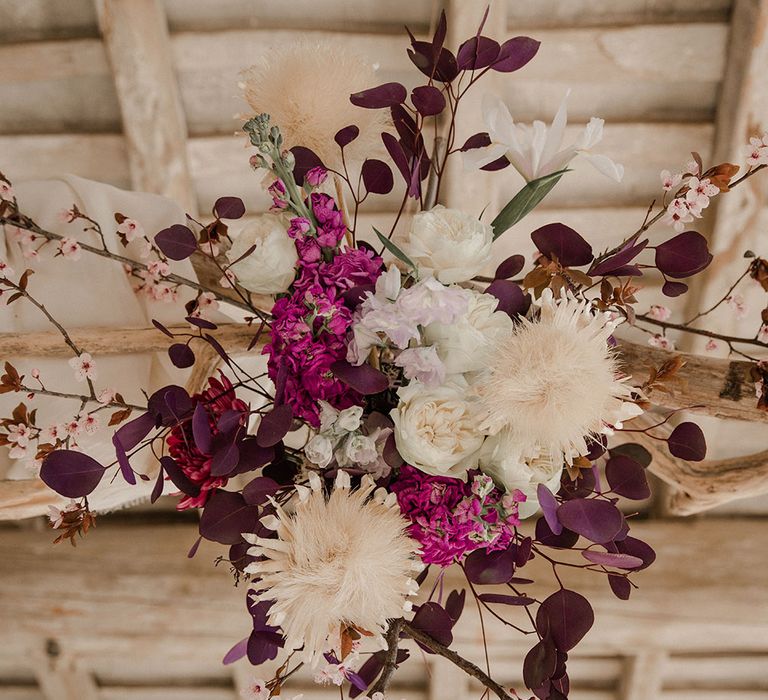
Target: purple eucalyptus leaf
x,y
634,451
515,53
369,672
476,141
596,447
157,490
395,150
390,454
626,477
620,586
617,560
684,255
565,540
305,160
201,323
562,242
229,208
477,52
236,653
71,474
363,378
122,461
674,289
549,506
230,421
428,100
226,515
177,476
263,646
161,328
385,95
377,176
177,242
637,548
168,406
433,620
539,664
597,520
523,552
582,487
506,599
567,616
224,460
439,65
181,355
258,490
509,267
490,568
132,433
513,301
346,135
356,295
253,456
616,262
454,604
274,426
687,442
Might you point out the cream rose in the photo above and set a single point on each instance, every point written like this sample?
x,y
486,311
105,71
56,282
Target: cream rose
x,y
270,267
501,459
453,245
435,429
460,345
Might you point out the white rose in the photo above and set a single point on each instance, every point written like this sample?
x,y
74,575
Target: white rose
x,y
270,267
452,244
435,429
502,460
460,344
319,450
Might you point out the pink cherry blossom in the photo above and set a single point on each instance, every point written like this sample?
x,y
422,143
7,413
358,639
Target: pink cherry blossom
x,y
73,428
206,303
698,195
255,690
762,334
70,249
670,181
66,216
89,423
52,434
35,373
228,280
711,345
131,229
661,342
6,191
757,151
6,270
738,305
692,167
659,313
678,214
19,434
158,268
84,366
106,396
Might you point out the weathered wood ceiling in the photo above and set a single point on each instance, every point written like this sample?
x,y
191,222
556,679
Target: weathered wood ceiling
x,y
122,620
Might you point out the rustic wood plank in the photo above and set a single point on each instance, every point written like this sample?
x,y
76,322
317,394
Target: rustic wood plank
x,y
136,36
643,676
61,677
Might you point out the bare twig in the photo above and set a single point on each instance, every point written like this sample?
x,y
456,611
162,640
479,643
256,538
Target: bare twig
x,y
390,663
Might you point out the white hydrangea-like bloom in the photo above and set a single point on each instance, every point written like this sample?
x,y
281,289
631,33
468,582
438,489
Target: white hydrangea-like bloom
x,y
339,561
554,381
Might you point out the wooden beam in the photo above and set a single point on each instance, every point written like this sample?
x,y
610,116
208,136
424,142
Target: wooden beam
x,y
643,676
136,36
60,676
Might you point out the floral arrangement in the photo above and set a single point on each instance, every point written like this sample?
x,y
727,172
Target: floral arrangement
x,y
412,413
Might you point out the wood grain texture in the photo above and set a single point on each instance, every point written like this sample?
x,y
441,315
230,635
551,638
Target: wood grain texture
x,y
136,37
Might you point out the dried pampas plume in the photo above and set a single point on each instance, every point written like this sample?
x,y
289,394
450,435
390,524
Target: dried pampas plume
x,y
305,88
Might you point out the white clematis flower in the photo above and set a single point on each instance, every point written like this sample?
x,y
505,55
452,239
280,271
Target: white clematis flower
x,y
536,150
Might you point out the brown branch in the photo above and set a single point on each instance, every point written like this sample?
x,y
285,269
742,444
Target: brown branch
x,y
467,666
390,662
702,331
24,222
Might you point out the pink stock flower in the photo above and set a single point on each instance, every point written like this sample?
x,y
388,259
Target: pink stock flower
x,y
451,518
316,176
218,398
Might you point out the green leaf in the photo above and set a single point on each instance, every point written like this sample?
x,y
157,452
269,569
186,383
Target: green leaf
x,y
525,201
392,248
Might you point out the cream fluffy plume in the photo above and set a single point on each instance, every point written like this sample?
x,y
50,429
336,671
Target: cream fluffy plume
x,y
553,381
342,560
305,88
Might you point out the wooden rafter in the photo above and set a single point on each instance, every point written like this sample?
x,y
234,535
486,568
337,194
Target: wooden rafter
x,y
135,34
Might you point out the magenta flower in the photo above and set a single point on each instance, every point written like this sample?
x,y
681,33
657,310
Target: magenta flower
x,y
451,518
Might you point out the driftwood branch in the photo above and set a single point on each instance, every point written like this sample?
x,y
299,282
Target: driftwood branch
x,y
467,666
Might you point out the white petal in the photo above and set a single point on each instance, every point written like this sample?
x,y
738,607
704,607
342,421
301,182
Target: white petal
x,y
592,134
497,119
556,130
478,157
606,166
